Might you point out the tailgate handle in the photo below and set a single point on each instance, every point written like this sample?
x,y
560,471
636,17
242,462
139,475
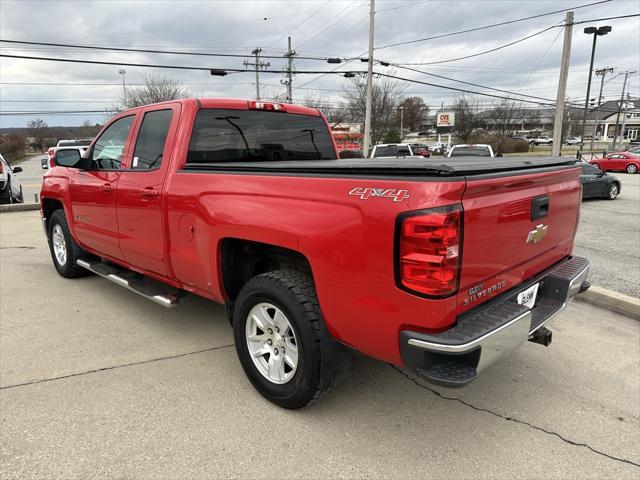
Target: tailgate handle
x,y
540,207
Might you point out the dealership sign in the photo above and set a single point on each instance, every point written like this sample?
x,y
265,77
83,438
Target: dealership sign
x,y
445,119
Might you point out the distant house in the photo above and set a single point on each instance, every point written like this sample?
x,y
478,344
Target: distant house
x,y
608,123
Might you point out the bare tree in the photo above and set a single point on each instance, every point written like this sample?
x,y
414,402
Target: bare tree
x,y
336,112
414,109
156,88
468,119
503,119
386,97
38,129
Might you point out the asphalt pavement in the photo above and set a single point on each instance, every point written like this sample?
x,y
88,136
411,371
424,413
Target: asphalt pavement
x,y
609,236
31,177
96,382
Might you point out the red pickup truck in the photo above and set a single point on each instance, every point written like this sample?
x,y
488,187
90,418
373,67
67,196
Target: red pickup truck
x,y
438,265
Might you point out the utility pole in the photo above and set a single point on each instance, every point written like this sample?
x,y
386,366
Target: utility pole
x,y
259,66
624,87
367,113
401,123
600,72
289,56
562,85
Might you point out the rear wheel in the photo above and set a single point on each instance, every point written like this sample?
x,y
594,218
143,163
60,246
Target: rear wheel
x,y
613,191
631,168
64,250
277,333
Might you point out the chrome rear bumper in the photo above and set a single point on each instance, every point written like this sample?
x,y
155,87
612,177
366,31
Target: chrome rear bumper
x,y
455,357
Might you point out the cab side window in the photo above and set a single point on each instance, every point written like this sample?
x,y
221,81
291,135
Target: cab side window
x,y
151,139
109,147
590,170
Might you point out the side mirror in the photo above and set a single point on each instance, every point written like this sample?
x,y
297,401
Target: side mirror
x,y
16,169
68,158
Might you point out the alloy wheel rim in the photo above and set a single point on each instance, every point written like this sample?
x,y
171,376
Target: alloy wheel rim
x,y
613,191
59,245
272,343
631,169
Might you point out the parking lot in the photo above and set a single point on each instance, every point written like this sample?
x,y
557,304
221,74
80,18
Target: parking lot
x,y
95,381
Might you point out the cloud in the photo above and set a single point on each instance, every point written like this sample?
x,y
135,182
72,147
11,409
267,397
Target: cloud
x,y
333,27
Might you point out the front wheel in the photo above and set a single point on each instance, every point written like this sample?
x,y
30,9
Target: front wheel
x,y
613,191
631,168
64,250
277,333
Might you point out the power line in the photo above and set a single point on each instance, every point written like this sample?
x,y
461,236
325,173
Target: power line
x,y
481,53
145,50
459,89
146,65
476,84
508,22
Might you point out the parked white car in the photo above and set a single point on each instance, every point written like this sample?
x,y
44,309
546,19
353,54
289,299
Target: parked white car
x,y
542,141
439,147
471,150
10,188
391,150
573,141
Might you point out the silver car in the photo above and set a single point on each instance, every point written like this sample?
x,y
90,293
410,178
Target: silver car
x,y
10,188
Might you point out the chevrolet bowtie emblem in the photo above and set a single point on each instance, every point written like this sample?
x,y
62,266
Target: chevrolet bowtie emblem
x,y
537,234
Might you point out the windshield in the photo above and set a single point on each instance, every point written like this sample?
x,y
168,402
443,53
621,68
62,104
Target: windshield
x,y
470,152
392,151
258,136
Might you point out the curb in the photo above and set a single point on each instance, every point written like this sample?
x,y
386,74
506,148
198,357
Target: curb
x,y
613,301
19,207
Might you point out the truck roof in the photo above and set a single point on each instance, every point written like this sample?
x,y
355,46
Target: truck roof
x,y
236,104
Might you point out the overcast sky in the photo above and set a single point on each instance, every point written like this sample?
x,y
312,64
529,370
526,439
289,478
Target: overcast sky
x,y
318,28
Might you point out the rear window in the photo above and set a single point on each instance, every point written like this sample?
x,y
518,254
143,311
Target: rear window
x,y
391,151
257,136
470,152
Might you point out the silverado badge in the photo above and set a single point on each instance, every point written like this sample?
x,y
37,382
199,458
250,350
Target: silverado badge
x,y
537,234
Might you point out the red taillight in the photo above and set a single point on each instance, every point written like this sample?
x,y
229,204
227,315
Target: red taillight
x,y
1,168
273,107
52,153
429,250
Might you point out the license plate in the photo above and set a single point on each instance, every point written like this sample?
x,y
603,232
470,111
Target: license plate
x,y
528,297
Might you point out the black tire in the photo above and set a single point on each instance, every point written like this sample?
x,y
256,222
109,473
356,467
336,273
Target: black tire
x,y
614,190
69,269
20,198
631,168
294,293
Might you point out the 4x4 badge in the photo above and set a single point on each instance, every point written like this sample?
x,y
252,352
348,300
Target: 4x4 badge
x,y
537,234
366,193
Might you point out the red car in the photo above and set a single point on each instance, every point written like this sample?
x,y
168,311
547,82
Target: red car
x,y
618,162
438,266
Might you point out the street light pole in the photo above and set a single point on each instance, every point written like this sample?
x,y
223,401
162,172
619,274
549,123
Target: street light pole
x,y
600,31
124,88
401,123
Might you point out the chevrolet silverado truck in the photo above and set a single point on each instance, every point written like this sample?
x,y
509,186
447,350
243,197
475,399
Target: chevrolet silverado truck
x,y
440,266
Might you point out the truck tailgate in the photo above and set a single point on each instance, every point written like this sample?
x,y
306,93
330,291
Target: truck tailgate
x,y
515,226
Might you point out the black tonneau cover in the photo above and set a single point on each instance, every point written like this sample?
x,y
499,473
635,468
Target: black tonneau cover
x,y
441,166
